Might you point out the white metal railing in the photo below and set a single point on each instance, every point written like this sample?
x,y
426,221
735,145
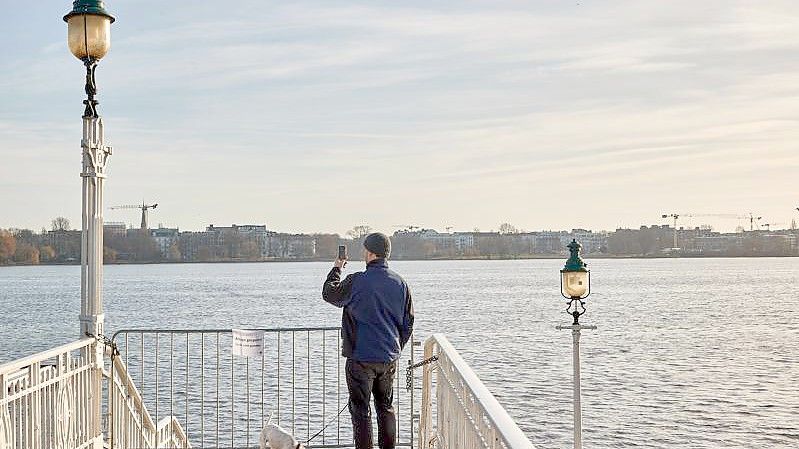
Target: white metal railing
x,y
52,399
170,434
55,400
464,414
131,425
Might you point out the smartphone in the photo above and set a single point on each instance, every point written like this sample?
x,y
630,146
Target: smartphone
x,y
342,252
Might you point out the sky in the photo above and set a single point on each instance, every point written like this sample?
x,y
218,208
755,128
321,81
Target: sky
x,y
319,116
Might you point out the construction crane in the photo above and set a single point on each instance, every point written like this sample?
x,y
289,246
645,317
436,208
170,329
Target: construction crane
x,y
677,217
753,220
144,208
409,228
769,225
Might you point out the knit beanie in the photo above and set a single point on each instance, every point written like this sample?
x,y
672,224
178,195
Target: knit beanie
x,y
378,243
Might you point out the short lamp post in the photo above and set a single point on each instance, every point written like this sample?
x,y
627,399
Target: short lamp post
x,y
89,38
575,285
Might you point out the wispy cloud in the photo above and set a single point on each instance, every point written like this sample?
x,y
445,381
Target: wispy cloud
x,y
450,112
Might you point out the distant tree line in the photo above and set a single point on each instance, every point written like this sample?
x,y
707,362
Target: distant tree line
x,y
25,247
62,244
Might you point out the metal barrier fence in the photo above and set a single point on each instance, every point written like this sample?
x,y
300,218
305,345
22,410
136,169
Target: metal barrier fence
x,y
466,414
224,400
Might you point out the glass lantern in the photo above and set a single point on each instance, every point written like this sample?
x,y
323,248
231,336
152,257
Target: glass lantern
x,y
575,278
575,284
89,30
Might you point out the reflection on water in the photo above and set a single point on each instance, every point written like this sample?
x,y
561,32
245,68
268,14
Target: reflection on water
x,y
689,352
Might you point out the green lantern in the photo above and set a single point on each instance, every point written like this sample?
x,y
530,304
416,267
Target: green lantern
x,y
575,278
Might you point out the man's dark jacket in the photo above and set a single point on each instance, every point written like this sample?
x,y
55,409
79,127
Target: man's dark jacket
x,y
378,312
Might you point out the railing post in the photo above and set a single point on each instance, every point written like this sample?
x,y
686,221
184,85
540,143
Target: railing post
x,y
94,358
34,418
425,416
6,438
413,387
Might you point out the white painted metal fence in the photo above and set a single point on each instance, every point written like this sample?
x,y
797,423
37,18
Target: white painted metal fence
x,y
56,400
458,411
130,424
52,399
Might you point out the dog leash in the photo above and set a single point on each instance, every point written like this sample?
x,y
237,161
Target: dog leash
x,y
328,423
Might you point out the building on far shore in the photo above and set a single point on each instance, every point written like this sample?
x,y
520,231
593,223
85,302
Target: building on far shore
x,y
592,242
291,246
165,238
199,245
244,242
113,229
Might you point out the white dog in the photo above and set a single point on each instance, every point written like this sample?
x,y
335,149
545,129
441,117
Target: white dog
x,y
275,437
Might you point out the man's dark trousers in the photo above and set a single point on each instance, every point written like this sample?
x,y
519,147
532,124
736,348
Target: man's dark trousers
x,y
363,380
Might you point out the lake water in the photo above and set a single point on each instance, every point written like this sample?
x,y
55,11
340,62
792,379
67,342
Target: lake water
x,y
688,352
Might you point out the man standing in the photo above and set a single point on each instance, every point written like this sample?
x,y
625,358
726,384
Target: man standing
x,y
376,323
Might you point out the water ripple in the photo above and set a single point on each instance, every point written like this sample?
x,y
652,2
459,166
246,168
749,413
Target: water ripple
x,y
689,353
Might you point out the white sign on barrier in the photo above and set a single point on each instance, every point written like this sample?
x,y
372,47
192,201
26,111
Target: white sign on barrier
x,y
248,343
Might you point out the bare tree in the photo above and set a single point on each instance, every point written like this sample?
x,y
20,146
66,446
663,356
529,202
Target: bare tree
x,y
359,232
60,224
507,228
46,253
327,245
26,254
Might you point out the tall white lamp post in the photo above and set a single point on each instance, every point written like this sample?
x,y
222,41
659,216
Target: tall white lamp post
x,y
89,38
575,285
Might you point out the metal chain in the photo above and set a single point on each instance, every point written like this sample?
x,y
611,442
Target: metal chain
x,y
410,368
107,342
